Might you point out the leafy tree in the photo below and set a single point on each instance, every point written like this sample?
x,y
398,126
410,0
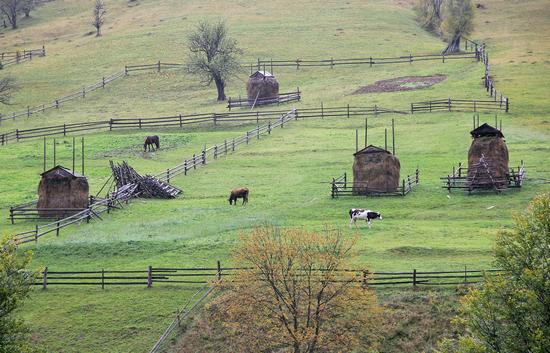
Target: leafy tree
x,y
98,16
510,313
15,284
284,302
7,87
429,13
458,21
213,55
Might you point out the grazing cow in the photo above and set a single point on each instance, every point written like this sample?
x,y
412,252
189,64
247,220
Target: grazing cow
x,y
359,213
238,193
150,141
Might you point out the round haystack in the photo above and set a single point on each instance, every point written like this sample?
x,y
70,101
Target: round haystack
x,y
375,170
489,143
262,85
62,193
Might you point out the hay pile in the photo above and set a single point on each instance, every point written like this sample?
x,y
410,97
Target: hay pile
x,y
59,190
262,85
375,170
496,156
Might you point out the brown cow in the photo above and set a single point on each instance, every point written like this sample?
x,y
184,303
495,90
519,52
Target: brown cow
x,y
238,193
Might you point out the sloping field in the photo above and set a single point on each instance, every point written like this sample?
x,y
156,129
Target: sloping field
x,y
287,171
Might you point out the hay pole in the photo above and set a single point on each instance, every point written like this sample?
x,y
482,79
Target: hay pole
x,y
386,139
74,154
54,156
44,154
82,143
366,131
356,140
393,136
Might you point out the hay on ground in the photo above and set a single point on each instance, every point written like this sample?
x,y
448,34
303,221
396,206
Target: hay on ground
x,y
62,193
375,170
488,142
262,85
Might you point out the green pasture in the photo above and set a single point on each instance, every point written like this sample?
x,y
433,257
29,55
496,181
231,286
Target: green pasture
x,y
287,172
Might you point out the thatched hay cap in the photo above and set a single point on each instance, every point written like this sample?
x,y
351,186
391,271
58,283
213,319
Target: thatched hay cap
x,y
371,149
60,172
486,130
262,74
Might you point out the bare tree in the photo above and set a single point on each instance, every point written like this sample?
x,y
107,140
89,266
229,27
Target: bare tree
x,y
10,9
430,14
27,6
213,55
7,87
98,16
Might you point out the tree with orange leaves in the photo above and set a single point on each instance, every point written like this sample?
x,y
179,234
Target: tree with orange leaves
x,y
293,296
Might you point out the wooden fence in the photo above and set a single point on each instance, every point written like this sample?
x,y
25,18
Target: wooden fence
x,y
341,187
370,61
58,101
152,276
182,120
94,211
458,179
17,57
281,98
460,105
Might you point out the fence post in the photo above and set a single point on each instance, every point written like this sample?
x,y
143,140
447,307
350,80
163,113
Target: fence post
x,y
36,233
465,275
139,123
28,111
322,111
365,277
11,214
125,70
17,134
412,108
414,278
269,127
194,162
348,111
83,92
103,82
57,226
45,278
149,277
204,156
225,146
233,145
219,274
57,104
247,137
215,151
474,106
185,167
111,124
181,124
507,104
403,187
333,189
168,175
449,104
345,180
158,66
102,278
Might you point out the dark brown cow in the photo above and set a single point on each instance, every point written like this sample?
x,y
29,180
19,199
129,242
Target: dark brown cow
x,y
238,193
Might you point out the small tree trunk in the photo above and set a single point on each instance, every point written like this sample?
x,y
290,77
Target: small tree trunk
x,y
98,31
454,45
220,85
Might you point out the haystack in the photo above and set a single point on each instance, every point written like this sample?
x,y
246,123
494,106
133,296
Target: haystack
x,y
494,171
62,193
262,85
375,170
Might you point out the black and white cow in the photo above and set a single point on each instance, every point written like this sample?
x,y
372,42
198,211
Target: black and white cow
x,y
359,213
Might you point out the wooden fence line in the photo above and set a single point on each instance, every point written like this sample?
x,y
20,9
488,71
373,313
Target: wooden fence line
x,y
460,105
181,120
340,186
18,57
58,101
204,275
280,98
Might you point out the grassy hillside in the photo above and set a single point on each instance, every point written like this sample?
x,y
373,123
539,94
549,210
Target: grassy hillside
x,y
285,171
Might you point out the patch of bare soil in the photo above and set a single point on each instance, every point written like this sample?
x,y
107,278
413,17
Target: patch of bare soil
x,y
406,83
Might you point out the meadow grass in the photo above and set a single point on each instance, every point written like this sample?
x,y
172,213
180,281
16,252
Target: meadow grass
x,y
287,171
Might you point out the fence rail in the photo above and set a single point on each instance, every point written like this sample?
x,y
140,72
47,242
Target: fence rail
x,y
181,120
341,187
458,179
18,57
461,105
281,98
151,276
